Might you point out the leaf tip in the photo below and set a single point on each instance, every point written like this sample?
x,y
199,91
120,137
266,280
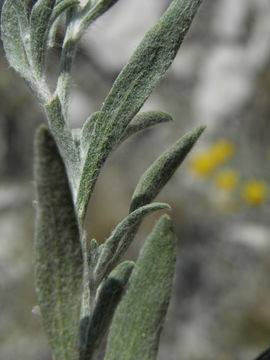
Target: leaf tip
x,y
166,222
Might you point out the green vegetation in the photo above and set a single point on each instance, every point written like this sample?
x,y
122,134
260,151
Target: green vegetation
x,y
82,289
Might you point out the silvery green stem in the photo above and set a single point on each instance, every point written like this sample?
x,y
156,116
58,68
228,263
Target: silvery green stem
x,y
80,20
68,53
64,140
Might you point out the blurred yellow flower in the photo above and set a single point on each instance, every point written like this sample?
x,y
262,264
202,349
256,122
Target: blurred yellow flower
x,y
206,162
227,180
221,151
254,192
202,165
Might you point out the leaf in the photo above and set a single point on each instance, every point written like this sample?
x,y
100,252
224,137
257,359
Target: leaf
x,y
108,298
92,249
87,131
60,7
144,120
152,181
58,253
39,30
160,172
66,143
139,317
52,36
131,89
15,30
148,64
96,11
109,254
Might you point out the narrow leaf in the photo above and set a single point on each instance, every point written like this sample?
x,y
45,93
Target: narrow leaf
x,y
108,298
65,141
39,30
15,31
96,11
60,8
93,250
145,120
133,86
87,131
52,36
152,182
154,179
139,318
58,253
107,257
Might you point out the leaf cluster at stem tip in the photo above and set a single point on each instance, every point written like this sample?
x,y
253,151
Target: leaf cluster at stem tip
x,y
83,290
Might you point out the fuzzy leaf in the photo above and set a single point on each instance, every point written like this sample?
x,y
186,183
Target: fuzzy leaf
x,y
60,7
65,141
39,30
131,89
87,131
154,179
108,298
96,11
92,249
145,120
15,30
152,182
58,253
52,36
139,317
109,254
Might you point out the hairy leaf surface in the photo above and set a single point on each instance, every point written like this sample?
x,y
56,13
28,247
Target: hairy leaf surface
x,y
133,86
109,254
87,131
39,30
139,318
108,298
145,120
14,30
61,7
58,253
152,182
100,7
68,148
160,172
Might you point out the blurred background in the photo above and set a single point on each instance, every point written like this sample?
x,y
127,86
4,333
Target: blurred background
x,y
220,196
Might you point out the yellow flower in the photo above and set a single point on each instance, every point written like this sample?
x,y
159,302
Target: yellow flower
x,y
254,192
206,162
202,165
221,151
227,180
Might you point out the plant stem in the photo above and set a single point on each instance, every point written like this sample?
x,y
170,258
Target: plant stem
x,y
68,53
